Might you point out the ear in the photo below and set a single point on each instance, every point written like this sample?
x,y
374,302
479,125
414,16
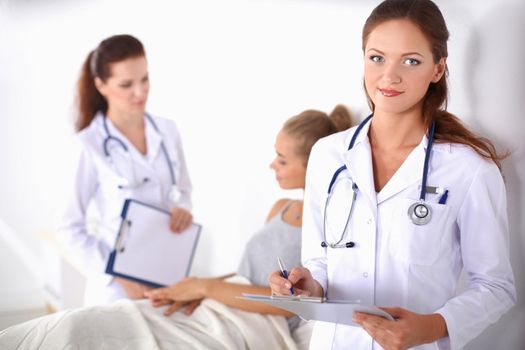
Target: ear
x,y
100,85
439,70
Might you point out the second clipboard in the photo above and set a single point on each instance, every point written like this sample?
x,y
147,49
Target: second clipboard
x,y
319,309
146,251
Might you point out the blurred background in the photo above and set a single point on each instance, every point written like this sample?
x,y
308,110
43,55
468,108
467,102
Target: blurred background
x,y
229,72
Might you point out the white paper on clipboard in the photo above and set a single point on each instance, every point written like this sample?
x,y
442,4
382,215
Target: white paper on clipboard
x,y
320,309
147,251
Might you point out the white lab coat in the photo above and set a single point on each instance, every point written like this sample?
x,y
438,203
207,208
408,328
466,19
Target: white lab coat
x,y
97,180
398,264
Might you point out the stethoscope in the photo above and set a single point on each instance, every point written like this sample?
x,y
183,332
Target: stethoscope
x,y
174,194
419,212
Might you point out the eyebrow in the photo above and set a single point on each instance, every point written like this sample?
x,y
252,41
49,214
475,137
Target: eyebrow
x,y
404,54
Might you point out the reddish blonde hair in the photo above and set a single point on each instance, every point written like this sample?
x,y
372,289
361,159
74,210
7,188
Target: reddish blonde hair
x,y
311,125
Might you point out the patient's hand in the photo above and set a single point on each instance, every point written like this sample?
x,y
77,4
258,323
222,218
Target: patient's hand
x,y
133,290
187,294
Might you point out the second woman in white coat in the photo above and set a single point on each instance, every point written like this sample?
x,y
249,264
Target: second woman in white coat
x,y
126,153
386,256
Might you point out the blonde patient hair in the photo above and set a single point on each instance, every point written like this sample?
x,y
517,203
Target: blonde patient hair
x,y
311,125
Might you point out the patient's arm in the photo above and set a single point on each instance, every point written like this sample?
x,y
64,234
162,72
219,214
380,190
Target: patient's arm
x,y
190,291
133,290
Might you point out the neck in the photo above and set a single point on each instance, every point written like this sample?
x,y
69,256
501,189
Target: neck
x,y
126,122
391,131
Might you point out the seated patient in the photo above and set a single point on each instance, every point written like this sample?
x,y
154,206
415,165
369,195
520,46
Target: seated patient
x,y
213,317
279,237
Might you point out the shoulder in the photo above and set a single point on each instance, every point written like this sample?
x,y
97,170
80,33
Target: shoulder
x,y
336,142
463,157
329,153
92,137
165,125
461,169
277,207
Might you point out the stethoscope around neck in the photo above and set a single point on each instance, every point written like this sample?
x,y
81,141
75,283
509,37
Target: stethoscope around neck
x,y
419,212
174,191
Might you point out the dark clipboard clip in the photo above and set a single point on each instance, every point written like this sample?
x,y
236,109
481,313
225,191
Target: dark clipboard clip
x,y
123,234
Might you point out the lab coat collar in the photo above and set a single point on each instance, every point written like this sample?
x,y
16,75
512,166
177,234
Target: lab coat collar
x,y
153,140
358,162
411,171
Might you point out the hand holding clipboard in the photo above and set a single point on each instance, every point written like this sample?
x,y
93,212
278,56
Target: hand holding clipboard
x,y
146,251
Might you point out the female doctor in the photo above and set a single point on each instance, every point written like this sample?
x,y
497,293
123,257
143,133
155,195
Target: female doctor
x,y
126,153
396,207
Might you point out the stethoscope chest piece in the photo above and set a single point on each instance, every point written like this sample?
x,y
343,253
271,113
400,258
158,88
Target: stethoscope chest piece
x,y
420,213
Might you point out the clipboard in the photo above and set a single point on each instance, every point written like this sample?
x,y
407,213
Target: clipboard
x,y
146,251
319,309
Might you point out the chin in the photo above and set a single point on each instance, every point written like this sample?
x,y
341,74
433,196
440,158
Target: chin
x,y
284,186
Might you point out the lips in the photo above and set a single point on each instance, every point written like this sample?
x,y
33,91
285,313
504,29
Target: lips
x,y
139,104
390,93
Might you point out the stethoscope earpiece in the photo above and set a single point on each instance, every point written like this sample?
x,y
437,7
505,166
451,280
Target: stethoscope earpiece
x,y
345,245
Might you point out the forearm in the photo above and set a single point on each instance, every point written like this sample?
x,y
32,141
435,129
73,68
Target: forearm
x,y
228,293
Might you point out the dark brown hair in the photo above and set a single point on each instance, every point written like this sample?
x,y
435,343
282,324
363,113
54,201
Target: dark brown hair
x,y
98,64
428,18
311,125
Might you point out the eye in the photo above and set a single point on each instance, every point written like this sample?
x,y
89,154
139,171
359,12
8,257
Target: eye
x,y
282,162
377,58
411,62
125,85
145,79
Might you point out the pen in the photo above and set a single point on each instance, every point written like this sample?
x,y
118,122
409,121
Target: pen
x,y
443,199
284,272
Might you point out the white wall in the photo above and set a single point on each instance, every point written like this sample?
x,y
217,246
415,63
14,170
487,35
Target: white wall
x,y
221,66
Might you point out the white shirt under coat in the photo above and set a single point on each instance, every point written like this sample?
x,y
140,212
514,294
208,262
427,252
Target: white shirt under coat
x,y
98,179
398,264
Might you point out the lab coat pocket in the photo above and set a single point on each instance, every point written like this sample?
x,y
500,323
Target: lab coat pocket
x,y
416,244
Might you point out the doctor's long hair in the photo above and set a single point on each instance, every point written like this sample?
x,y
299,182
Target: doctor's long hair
x,y
98,64
309,126
426,15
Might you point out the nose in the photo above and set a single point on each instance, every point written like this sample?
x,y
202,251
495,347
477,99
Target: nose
x,y
141,90
272,164
391,74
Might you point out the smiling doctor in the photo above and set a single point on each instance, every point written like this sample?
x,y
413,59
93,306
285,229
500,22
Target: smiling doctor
x,y
126,153
397,207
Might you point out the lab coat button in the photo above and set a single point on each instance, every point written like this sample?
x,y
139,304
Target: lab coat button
x,y
365,274
369,221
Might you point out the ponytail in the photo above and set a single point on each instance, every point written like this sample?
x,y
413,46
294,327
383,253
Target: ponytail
x,y
88,99
311,125
450,129
341,118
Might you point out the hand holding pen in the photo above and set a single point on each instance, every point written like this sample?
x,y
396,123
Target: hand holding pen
x,y
298,281
284,272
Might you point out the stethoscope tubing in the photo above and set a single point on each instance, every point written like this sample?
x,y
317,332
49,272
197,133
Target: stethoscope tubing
x,y
110,137
427,161
422,195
